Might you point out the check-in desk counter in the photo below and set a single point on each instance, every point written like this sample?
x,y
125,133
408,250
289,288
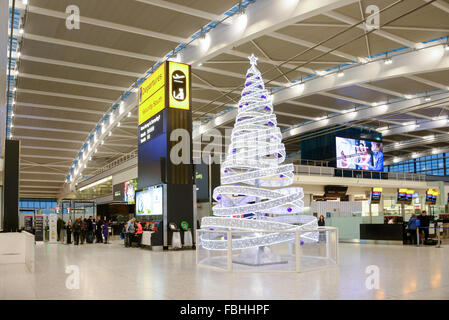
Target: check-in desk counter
x,y
382,232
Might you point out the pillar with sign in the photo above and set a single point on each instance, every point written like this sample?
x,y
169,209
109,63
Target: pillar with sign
x,y
164,148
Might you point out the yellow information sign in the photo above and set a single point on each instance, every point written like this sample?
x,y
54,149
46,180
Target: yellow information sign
x,y
152,84
152,105
179,85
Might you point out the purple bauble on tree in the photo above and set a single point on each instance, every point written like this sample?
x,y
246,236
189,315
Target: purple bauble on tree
x,y
270,123
301,242
281,176
289,209
219,198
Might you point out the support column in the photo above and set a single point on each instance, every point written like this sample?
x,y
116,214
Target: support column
x,y
11,183
4,20
4,12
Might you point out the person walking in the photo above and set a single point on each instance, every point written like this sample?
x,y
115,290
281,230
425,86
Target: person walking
x,y
106,231
412,226
123,235
94,226
59,227
69,232
98,231
76,231
83,230
139,232
89,235
130,230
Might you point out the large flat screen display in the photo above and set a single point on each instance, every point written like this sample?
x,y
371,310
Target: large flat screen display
x,y
359,154
125,191
150,201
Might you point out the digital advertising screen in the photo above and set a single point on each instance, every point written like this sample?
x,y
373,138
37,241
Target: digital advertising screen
x,y
359,154
125,191
150,201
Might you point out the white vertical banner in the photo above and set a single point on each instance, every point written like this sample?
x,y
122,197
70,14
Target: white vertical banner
x,y
52,221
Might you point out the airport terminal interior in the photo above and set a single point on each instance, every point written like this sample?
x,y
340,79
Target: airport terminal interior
x,y
224,150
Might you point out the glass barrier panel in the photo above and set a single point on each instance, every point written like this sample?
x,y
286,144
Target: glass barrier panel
x,y
321,253
212,249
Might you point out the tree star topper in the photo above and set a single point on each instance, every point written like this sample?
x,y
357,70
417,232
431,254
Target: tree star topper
x,y
253,59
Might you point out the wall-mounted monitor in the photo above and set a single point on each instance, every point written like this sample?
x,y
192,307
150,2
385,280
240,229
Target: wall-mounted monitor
x,y
431,196
359,154
409,195
376,194
402,195
150,201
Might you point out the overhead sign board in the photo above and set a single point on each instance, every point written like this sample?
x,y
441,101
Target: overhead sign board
x,y
152,84
179,85
152,105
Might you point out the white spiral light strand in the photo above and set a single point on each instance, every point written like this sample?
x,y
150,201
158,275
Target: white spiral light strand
x,y
254,163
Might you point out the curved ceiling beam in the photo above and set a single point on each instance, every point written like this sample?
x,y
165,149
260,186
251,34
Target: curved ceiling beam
x,y
106,24
424,60
282,13
182,9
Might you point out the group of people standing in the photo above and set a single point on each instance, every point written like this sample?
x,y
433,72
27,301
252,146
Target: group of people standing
x,y
419,223
132,232
85,230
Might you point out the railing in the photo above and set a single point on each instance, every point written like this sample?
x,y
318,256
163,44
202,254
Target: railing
x,y
362,174
314,163
314,170
116,162
359,174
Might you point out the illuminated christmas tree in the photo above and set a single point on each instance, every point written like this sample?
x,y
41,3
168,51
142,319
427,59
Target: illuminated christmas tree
x,y
254,194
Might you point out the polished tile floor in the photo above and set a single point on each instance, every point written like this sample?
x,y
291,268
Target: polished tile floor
x,y
114,272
